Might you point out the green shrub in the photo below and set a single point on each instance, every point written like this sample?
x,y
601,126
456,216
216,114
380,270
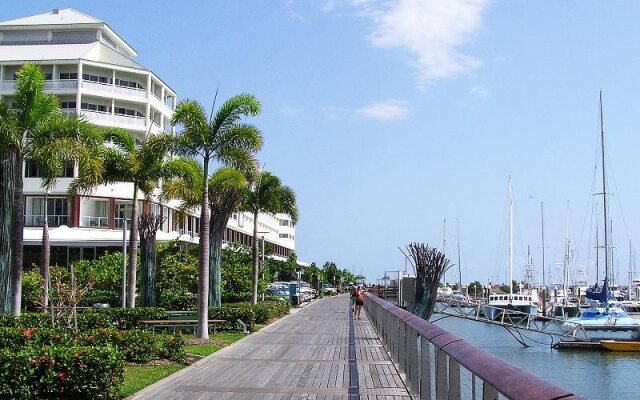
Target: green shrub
x,y
138,346
128,318
94,320
233,312
172,348
270,309
60,372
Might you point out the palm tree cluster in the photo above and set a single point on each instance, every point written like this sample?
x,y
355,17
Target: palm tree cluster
x,y
171,166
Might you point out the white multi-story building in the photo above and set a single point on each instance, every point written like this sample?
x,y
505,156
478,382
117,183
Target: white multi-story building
x,y
93,72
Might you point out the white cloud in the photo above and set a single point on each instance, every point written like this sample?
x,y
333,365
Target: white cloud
x,y
480,92
391,110
432,30
290,111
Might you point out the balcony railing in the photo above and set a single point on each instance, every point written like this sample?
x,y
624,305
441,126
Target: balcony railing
x,y
61,84
114,119
94,222
109,88
52,220
52,85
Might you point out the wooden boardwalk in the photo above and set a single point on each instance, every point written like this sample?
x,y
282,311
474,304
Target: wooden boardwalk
x,y
318,353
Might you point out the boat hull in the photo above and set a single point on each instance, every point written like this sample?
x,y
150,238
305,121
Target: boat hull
x,y
618,345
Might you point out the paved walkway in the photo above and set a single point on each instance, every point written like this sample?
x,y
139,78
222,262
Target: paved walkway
x,y
318,353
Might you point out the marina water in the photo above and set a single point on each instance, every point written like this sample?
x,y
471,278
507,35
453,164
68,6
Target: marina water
x,y
596,375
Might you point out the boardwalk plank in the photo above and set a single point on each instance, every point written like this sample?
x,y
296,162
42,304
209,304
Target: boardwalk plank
x,y
308,355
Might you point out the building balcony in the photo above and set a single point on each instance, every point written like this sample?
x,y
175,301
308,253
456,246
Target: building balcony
x,y
58,85
108,119
108,89
52,220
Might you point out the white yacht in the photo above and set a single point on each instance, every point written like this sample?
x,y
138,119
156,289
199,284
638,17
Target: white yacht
x,y
511,303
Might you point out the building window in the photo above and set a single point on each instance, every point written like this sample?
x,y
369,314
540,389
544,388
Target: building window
x,y
69,75
96,78
65,105
31,170
128,84
57,211
284,222
95,107
122,210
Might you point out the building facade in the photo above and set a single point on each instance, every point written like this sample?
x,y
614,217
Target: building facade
x,y
93,72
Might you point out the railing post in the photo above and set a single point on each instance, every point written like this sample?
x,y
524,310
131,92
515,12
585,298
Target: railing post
x,y
454,379
441,374
425,369
402,348
489,392
413,367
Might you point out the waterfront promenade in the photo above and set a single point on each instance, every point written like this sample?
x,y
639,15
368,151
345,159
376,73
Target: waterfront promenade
x,y
319,353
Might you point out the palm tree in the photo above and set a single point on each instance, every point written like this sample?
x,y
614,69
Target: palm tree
x,y
31,113
65,140
7,170
221,137
226,191
144,166
267,194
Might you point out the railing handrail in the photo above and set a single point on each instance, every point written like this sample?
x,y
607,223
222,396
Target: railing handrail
x,y
513,382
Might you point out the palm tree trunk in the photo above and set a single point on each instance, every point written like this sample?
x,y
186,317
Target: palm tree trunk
x,y
203,261
254,278
18,235
133,250
44,259
218,223
7,170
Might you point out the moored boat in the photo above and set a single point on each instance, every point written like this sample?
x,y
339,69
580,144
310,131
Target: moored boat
x,y
620,345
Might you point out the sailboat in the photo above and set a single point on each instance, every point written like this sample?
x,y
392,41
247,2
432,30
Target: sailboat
x,y
604,312
563,307
516,303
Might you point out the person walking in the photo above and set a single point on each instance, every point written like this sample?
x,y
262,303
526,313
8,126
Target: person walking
x,y
359,302
352,292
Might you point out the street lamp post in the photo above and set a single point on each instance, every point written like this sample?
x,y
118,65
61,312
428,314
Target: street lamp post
x,y
262,261
124,261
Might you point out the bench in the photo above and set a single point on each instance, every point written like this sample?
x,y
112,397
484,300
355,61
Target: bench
x,y
153,324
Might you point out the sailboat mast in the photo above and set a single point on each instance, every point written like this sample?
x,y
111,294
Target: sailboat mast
x,y
510,237
459,265
604,195
542,218
444,247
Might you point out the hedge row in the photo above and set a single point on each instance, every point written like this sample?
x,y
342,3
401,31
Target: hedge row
x,y
120,318
129,318
135,345
77,372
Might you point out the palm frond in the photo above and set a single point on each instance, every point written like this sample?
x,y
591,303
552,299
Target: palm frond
x,y
233,110
193,119
183,181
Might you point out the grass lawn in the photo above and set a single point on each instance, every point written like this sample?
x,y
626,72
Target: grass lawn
x,y
137,377
202,350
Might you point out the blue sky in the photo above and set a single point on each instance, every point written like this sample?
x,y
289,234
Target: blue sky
x,y
387,117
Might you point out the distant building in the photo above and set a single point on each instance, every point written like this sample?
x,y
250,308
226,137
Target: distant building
x,y
93,72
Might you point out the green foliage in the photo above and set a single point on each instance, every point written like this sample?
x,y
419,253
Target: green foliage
x,y
177,283
106,275
129,318
268,310
233,312
70,372
138,345
236,274
172,348
31,289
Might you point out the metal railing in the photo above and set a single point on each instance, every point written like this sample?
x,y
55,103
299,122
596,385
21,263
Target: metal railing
x,y
436,364
94,222
53,220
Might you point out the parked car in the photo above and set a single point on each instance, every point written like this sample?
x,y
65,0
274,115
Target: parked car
x,y
329,289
